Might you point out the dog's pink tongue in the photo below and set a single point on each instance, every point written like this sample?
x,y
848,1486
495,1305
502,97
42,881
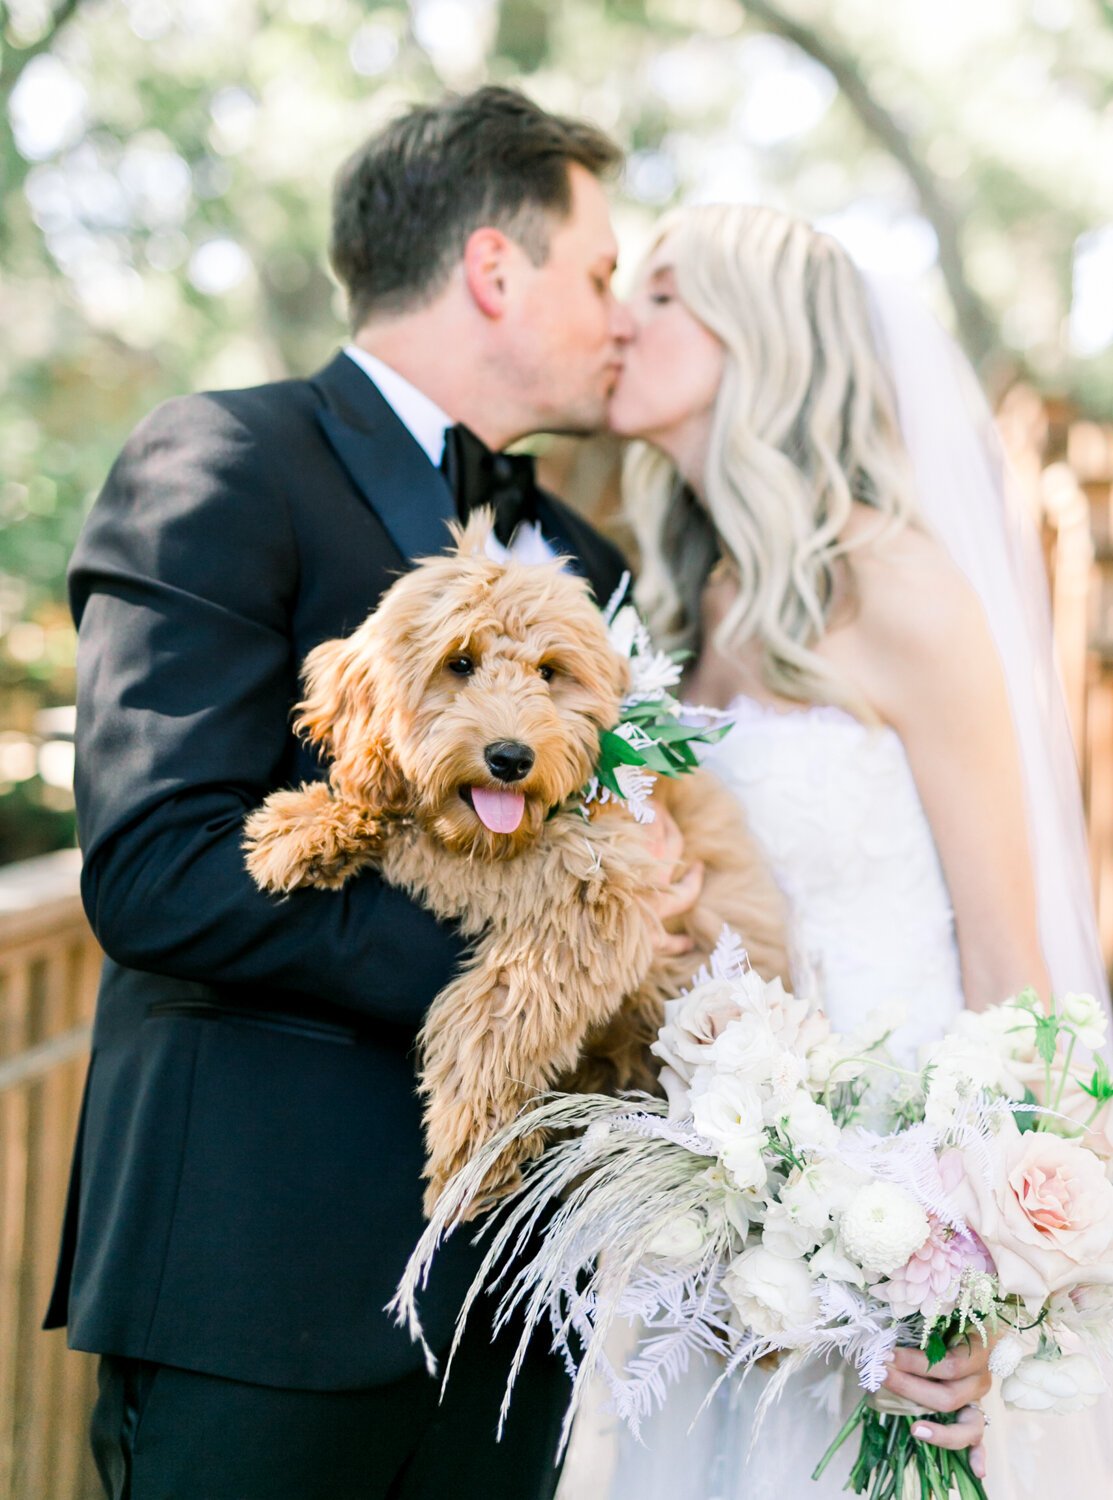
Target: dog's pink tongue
x,y
501,812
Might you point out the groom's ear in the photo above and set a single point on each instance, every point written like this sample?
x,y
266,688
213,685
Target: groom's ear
x,y
487,257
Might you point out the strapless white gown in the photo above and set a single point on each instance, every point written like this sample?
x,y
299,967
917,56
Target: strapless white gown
x,y
835,807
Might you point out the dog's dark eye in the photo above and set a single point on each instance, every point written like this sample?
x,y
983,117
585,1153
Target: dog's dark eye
x,y
547,672
463,666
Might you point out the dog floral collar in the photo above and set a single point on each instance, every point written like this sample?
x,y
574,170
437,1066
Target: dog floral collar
x,y
655,734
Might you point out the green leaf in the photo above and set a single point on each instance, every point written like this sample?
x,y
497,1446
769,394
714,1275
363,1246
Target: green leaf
x,y
1100,1086
1047,1034
1026,1119
607,778
615,750
936,1347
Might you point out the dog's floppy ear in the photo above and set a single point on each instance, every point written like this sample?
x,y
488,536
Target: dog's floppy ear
x,y
342,714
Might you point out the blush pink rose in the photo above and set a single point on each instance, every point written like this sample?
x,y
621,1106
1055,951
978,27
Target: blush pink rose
x,y
1045,1215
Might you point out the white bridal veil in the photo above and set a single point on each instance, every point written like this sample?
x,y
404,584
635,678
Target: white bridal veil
x,y
966,498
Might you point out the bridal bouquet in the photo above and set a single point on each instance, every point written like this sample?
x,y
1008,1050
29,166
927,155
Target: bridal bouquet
x,y
798,1195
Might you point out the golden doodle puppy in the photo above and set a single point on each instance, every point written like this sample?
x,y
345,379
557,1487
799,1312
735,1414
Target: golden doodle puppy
x,y
461,722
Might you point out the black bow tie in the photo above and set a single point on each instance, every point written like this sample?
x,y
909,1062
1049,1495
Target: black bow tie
x,y
504,481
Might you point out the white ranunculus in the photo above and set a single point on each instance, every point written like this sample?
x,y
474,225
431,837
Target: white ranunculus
x,y
1087,1017
882,1227
1068,1382
727,1112
770,1294
681,1238
809,1124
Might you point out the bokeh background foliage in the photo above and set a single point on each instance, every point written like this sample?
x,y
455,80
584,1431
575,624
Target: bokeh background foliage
x,y
166,170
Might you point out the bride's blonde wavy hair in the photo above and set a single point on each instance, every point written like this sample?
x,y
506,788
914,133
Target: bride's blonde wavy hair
x,y
804,424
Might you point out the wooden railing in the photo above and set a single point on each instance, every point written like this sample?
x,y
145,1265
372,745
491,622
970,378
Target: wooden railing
x,y
49,964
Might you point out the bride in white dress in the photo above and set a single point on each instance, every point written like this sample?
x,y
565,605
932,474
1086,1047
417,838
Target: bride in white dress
x,y
823,524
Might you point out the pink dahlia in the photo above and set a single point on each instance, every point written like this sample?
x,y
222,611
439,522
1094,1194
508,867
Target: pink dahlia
x,y
929,1281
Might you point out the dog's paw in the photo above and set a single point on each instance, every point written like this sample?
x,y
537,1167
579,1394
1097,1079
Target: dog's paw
x,y
303,838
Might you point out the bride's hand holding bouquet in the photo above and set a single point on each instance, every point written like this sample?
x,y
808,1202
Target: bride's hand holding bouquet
x,y
800,1194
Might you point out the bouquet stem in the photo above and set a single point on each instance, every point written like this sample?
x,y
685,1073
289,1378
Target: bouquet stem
x,y
889,1457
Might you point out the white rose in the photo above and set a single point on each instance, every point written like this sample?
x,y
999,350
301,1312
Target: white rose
x,y
681,1238
771,1295
809,1124
693,1023
1087,1017
746,1047
882,1227
1065,1383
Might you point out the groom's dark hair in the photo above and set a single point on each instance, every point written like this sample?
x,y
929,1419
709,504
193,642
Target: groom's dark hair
x,y
407,200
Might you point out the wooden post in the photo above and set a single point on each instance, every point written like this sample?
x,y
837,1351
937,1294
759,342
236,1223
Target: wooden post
x,y
49,966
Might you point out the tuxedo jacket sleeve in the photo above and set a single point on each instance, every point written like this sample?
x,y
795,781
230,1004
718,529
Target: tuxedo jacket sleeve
x,y
183,586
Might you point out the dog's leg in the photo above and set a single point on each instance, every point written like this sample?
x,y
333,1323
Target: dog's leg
x,y
309,838
515,1021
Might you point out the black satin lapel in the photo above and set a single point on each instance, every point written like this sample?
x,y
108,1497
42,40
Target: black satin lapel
x,y
564,537
389,467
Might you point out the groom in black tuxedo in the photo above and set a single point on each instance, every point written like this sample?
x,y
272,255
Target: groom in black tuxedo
x,y
246,1186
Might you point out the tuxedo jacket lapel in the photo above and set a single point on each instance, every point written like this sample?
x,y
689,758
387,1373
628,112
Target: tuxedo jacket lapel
x,y
387,464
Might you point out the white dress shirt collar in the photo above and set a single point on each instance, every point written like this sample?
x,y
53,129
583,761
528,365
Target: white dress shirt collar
x,y
425,420
428,425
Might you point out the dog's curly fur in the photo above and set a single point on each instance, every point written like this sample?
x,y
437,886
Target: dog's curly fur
x,y
564,984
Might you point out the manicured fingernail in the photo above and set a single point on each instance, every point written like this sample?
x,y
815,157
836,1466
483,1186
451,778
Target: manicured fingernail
x,y
920,1431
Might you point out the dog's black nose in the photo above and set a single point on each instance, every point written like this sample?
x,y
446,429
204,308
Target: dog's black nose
x,y
509,760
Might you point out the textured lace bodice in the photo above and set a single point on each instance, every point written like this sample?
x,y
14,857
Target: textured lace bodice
x,y
833,803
